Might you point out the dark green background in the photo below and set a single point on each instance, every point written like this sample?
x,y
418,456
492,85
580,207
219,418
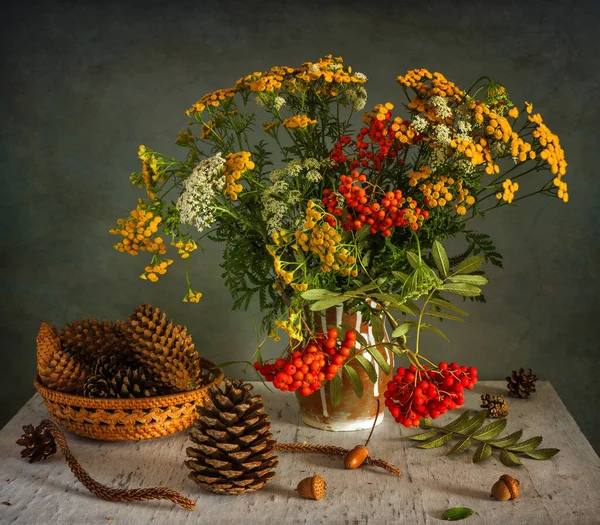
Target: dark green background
x,y
84,83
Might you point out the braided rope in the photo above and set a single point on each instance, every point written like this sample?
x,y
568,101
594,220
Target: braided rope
x,y
109,493
335,451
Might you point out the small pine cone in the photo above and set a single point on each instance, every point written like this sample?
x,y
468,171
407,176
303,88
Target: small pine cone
x,y
164,348
39,443
234,450
96,386
58,370
90,339
497,407
521,383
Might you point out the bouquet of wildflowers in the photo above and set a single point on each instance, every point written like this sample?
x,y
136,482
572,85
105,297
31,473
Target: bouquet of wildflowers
x,y
316,208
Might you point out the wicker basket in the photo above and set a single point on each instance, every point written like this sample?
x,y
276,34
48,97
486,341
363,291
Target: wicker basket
x,y
128,419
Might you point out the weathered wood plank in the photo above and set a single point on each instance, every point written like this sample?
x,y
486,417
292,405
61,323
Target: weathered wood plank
x,y
563,490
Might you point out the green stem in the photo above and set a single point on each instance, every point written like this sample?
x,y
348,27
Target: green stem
x,y
421,319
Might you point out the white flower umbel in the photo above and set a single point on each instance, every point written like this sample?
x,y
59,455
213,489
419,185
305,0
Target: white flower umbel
x,y
196,202
360,76
314,68
357,97
440,105
464,130
279,103
442,135
314,176
419,124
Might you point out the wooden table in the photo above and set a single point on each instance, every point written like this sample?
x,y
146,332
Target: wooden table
x,y
563,490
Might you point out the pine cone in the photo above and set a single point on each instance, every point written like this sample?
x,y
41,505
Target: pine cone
x,y
113,378
521,383
58,370
497,407
234,452
89,340
39,443
164,348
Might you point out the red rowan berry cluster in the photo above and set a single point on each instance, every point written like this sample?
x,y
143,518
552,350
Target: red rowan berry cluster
x,y
306,369
367,204
429,392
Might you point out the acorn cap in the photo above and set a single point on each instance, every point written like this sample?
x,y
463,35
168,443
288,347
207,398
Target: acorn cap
x,y
512,484
312,488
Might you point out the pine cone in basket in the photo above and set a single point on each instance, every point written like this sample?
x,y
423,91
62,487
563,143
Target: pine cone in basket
x,y
89,340
164,348
234,452
39,444
115,378
521,383
58,370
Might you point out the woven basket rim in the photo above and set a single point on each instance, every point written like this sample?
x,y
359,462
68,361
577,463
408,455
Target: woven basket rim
x,y
133,403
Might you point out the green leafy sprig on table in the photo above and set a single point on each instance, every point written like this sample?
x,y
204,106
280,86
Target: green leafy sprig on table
x,y
470,429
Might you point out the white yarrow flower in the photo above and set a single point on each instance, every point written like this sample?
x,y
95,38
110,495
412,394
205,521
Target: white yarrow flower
x,y
442,135
441,106
419,124
314,176
279,103
196,202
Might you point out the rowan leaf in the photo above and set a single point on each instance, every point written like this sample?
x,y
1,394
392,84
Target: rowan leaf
x,y
457,513
435,329
483,452
469,265
477,280
459,422
509,459
475,422
368,367
335,390
440,258
466,290
490,431
413,259
401,329
461,446
425,435
542,453
511,439
355,381
448,305
435,442
377,355
317,293
527,445
323,304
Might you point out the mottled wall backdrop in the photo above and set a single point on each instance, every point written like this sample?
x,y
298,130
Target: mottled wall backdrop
x,y
84,83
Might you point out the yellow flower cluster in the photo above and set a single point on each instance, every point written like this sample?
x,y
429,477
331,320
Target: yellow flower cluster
x,y
151,272
236,164
439,191
323,239
268,81
185,248
137,231
292,325
213,99
403,133
510,188
192,297
150,171
381,110
331,71
440,86
478,153
422,173
269,125
552,153
298,121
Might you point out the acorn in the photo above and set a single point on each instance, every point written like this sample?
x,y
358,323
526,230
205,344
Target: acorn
x,y
312,488
506,488
356,457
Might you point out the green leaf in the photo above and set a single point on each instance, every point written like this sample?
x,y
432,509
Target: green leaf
x,y
413,259
475,422
457,513
435,329
394,299
478,280
461,446
469,265
401,276
323,304
425,423
459,422
316,294
466,290
425,435
527,445
402,308
442,315
509,459
491,430
440,258
368,367
543,453
435,442
335,390
401,329
377,325
483,452
355,381
449,306
377,355
511,439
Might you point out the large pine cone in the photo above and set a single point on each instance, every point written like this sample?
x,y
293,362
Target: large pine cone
x,y
497,407
164,348
521,383
234,452
89,340
58,370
